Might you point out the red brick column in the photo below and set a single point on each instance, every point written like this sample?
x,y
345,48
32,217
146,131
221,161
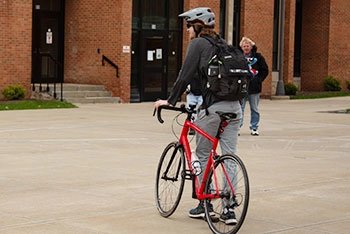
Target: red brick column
x,y
339,45
15,44
257,24
314,45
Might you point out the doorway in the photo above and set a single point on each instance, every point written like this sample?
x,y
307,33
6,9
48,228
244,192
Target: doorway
x,y
154,64
47,41
156,48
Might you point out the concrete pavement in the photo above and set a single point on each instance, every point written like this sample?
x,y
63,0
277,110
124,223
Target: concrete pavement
x,y
92,170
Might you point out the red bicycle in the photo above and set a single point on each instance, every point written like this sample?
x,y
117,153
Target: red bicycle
x,y
224,185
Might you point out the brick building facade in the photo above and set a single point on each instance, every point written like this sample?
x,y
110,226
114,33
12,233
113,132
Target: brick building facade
x,y
325,42
93,29
15,43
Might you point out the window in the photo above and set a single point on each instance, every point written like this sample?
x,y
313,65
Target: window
x,y
297,39
275,45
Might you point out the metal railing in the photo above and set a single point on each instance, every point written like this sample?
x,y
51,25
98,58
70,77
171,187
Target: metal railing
x,y
104,58
48,74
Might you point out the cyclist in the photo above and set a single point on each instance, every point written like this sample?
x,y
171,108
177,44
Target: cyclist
x,y
201,23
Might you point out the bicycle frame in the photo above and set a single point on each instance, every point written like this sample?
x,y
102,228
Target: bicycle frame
x,y
224,188
199,189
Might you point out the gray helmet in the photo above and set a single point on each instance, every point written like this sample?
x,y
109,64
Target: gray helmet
x,y
202,15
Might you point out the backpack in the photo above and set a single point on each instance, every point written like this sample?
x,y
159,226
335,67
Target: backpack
x,y
228,72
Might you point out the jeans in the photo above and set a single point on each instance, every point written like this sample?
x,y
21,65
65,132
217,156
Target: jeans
x,y
254,111
193,100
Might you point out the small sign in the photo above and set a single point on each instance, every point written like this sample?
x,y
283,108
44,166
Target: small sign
x,y
49,36
150,55
126,49
159,54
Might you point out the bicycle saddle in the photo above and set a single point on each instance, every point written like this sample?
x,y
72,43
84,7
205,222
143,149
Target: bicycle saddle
x,y
226,115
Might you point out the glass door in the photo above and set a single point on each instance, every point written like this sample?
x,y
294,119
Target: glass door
x,y
47,42
154,66
156,48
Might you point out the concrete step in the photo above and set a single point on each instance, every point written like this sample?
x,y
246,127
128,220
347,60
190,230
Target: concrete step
x,y
82,87
135,95
81,93
93,100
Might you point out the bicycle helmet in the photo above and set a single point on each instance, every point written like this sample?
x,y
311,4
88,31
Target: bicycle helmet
x,y
203,15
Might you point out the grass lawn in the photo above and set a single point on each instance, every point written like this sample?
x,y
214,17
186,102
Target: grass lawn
x,y
320,95
34,104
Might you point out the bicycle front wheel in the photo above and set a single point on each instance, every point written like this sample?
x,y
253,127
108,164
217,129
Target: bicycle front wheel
x,y
231,178
170,179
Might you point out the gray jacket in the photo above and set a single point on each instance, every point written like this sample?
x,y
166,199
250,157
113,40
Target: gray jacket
x,y
199,52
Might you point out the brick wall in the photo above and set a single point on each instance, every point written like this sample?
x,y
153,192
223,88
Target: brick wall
x,y
15,44
314,51
325,43
257,24
104,25
339,45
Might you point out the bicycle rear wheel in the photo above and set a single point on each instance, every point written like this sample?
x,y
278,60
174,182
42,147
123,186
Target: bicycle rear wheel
x,y
170,179
231,208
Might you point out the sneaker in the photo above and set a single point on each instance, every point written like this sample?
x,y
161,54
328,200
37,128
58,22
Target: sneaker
x,y
254,132
199,211
228,217
191,132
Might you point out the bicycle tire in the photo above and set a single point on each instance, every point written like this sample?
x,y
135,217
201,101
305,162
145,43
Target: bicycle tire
x,y
239,203
170,179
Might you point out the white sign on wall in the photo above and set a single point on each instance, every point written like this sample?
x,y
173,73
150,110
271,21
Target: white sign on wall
x,y
49,36
150,55
126,49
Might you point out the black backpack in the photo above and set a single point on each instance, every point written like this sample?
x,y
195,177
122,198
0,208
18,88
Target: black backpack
x,y
228,72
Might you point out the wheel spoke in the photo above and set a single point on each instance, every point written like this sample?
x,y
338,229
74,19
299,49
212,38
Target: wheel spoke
x,y
169,180
230,210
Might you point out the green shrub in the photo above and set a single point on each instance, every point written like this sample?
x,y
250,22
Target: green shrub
x,y
290,89
332,84
14,92
348,84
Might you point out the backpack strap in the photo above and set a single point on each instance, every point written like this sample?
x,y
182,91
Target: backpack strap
x,y
216,41
205,103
